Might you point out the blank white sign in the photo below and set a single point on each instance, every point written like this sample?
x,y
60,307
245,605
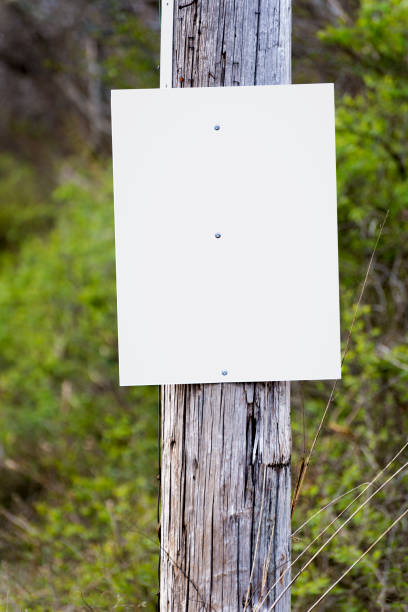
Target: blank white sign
x,y
256,167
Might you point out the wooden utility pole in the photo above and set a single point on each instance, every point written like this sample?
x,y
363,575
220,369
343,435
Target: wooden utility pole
x,y
226,448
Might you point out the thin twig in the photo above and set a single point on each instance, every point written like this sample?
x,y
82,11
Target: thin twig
x,y
346,349
384,533
303,458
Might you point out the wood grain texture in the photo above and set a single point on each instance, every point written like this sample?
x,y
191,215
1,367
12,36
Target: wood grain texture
x,y
226,448
231,42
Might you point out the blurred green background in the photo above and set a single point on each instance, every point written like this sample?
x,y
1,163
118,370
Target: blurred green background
x,y
78,454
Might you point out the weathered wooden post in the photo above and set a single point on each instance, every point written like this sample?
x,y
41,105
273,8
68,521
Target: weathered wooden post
x,y
226,448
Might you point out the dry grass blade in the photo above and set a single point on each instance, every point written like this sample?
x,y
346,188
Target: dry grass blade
x,y
369,484
331,503
264,598
376,477
305,465
403,467
384,533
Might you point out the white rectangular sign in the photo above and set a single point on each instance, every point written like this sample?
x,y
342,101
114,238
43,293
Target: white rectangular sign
x,y
226,234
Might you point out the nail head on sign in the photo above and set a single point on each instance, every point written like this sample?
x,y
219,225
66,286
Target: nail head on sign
x,y
217,235
224,372
217,128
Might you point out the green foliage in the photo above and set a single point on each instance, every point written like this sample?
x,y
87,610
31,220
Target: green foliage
x,y
22,210
78,468
367,422
132,56
88,445
371,136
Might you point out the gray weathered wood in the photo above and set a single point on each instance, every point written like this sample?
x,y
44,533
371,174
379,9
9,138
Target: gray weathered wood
x,y
226,42
226,448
